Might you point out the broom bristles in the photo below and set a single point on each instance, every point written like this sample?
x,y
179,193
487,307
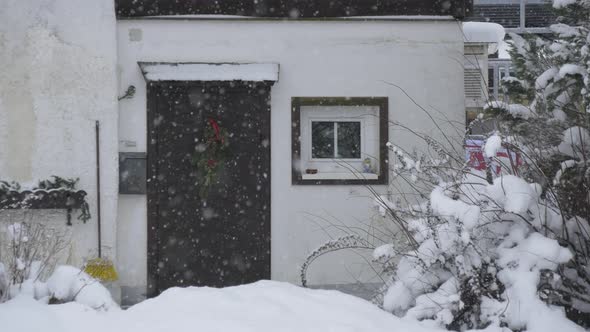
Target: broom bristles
x,y
101,269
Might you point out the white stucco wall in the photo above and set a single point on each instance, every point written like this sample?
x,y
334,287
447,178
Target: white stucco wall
x,y
58,76
330,58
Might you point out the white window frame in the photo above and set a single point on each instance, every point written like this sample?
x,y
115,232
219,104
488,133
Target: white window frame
x,y
341,168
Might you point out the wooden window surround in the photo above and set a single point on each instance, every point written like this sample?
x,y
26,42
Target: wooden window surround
x,y
303,114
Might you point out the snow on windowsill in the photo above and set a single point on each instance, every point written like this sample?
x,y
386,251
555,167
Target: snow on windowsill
x,y
210,71
340,176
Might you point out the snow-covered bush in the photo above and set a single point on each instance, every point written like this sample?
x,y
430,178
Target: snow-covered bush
x,y
28,253
65,284
28,268
482,251
553,82
69,284
506,248
498,249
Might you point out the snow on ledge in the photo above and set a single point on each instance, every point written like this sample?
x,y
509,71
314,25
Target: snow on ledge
x,y
482,32
210,71
340,176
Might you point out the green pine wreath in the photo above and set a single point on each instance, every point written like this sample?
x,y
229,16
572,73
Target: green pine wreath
x,y
210,160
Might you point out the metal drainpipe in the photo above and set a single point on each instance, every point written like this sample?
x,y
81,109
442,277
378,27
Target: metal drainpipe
x,y
522,16
496,79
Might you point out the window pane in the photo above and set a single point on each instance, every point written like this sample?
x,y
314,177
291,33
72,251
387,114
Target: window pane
x,y
322,139
349,140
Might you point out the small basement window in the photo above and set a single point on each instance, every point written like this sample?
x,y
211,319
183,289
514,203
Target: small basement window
x,y
339,140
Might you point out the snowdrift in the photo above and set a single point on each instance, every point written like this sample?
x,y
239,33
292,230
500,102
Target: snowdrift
x,y
261,306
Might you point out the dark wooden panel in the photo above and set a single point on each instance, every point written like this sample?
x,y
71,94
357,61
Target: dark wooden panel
x,y
221,238
294,8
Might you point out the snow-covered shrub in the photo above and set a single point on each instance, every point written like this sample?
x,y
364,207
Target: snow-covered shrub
x,y
481,251
70,284
65,284
28,253
495,248
511,248
553,81
507,248
28,259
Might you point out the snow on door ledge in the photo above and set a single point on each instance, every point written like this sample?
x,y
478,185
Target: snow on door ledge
x,y
210,71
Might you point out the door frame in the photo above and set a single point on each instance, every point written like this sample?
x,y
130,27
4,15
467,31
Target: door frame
x,y
153,255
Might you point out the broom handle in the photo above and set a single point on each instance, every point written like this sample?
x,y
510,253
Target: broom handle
x,y
98,187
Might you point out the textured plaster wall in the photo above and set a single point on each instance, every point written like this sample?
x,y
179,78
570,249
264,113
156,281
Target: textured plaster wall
x,y
58,77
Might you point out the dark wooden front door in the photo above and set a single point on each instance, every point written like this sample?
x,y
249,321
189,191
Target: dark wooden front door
x,y
219,236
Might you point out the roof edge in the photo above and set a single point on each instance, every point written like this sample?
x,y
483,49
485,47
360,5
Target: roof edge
x,y
285,9
287,19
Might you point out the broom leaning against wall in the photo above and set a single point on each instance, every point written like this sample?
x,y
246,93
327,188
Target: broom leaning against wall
x,y
100,268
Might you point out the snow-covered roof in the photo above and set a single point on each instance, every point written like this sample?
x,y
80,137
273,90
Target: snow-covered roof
x,y
482,32
210,71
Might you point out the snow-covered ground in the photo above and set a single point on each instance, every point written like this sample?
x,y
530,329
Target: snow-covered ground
x,y
261,306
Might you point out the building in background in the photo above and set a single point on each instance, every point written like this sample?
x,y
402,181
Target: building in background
x,y
516,16
482,40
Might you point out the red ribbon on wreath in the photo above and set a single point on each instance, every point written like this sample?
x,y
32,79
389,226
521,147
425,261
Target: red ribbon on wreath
x,y
215,126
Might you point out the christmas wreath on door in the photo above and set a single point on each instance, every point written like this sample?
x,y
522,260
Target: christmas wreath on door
x,y
210,156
